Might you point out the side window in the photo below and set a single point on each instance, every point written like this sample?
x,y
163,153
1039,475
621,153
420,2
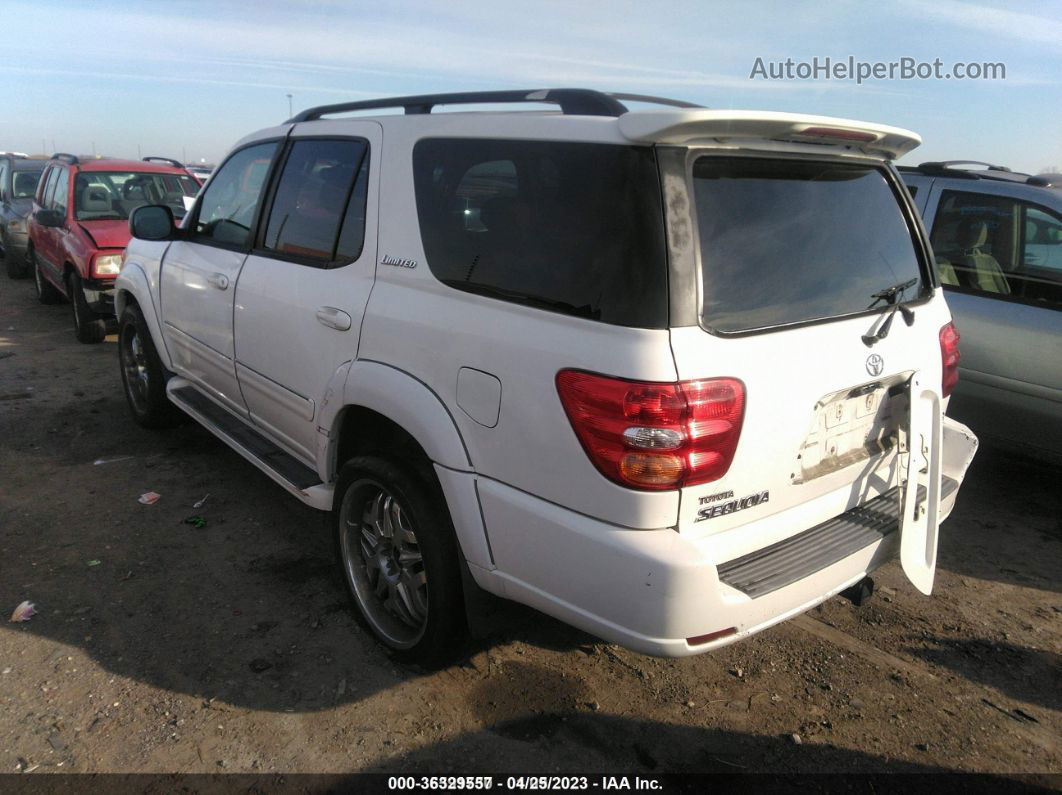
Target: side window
x,y
311,201
481,187
4,187
999,246
227,208
1040,275
568,227
1042,246
352,233
44,196
62,191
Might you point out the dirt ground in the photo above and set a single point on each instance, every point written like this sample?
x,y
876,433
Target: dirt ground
x,y
160,646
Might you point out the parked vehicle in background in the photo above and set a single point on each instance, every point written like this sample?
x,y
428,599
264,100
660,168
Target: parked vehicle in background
x,y
997,238
641,370
201,173
1052,179
79,226
18,182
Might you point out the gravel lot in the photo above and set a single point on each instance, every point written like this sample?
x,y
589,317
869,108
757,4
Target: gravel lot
x,y
160,646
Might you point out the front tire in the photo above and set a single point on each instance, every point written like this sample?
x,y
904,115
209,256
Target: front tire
x,y
46,292
398,551
143,375
88,327
16,266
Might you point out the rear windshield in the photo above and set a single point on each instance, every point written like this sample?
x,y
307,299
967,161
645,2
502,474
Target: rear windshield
x,y
24,180
791,241
113,195
567,227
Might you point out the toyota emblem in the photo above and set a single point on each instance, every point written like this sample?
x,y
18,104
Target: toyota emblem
x,y
875,364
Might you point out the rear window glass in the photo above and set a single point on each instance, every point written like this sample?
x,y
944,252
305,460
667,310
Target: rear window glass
x,y
24,182
791,241
567,227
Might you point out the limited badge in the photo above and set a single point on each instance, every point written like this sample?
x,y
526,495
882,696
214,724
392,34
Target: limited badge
x,y
398,262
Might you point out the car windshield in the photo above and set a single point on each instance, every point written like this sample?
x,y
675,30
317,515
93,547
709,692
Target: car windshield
x,y
24,181
793,241
113,195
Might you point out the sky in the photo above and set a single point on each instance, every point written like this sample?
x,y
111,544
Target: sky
x,y
187,79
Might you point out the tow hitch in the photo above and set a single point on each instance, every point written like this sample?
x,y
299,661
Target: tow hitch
x,y
860,592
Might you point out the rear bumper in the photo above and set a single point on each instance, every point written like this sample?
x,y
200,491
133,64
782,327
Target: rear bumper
x,y
648,590
652,590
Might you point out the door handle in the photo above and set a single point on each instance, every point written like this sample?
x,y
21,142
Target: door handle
x,y
333,318
219,280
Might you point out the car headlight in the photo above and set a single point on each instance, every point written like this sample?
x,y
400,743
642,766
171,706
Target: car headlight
x,y
17,225
109,265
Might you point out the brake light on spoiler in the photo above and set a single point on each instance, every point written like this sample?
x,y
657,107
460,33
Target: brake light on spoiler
x,y
687,127
655,436
837,134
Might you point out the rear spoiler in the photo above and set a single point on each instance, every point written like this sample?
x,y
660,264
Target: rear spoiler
x,y
704,126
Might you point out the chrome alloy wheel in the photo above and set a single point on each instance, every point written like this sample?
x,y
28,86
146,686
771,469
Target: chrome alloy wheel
x,y
383,563
135,367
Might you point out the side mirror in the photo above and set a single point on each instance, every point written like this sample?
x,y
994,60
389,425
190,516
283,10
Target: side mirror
x,y
152,222
49,218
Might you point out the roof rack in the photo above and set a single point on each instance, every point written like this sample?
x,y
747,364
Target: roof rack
x,y
572,102
954,163
66,157
674,103
170,160
948,168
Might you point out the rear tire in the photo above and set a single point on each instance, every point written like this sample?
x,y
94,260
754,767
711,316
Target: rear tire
x,y
89,328
143,376
46,292
397,548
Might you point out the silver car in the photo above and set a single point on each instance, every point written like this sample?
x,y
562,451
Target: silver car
x,y
997,239
18,182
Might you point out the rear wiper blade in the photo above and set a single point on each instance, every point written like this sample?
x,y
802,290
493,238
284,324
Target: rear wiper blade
x,y
890,295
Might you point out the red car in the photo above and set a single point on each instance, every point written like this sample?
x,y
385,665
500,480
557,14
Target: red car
x,y
79,227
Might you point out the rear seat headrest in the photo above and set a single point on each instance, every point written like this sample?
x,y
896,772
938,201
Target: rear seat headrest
x,y
973,233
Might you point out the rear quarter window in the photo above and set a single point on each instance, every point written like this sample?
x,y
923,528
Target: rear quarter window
x,y
568,227
787,241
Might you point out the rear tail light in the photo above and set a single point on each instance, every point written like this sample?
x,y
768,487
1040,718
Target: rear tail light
x,y
655,436
949,358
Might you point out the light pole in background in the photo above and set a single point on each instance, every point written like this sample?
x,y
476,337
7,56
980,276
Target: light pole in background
x,y
290,112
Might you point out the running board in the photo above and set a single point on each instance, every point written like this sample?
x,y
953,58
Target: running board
x,y
294,476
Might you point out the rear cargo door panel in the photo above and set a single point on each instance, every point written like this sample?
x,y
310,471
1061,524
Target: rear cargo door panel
x,y
822,422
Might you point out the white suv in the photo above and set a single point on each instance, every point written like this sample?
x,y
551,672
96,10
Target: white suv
x,y
637,369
